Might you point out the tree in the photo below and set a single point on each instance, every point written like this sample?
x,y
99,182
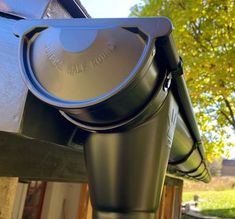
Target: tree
x,y
205,37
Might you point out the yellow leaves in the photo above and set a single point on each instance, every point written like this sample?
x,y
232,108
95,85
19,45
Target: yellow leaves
x,y
210,157
230,69
194,53
229,24
182,29
207,80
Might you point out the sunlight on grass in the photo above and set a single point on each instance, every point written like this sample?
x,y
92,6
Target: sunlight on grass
x,y
214,203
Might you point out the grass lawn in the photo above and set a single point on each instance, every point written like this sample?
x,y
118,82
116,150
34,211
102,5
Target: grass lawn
x,y
214,203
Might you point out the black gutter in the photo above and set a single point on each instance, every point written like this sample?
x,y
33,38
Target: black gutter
x,y
180,91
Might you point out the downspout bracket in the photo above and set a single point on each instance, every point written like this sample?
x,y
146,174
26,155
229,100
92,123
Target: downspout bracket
x,y
179,70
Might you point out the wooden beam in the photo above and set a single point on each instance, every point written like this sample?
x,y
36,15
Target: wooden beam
x,y
32,159
173,181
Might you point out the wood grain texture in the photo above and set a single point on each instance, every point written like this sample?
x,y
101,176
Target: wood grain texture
x,y
8,189
32,159
170,207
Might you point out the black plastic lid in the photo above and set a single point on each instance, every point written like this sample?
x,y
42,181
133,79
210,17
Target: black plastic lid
x,y
100,72
78,64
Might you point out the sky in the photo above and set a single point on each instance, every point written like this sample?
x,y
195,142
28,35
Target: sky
x,y
109,8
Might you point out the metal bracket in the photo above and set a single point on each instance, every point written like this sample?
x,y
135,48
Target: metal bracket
x,y
179,70
183,160
173,74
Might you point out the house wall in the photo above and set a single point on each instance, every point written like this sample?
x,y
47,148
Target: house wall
x,y
19,201
228,168
61,201
228,171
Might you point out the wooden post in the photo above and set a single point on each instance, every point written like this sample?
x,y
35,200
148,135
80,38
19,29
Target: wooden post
x,y
8,187
170,207
178,201
83,202
160,211
169,202
89,210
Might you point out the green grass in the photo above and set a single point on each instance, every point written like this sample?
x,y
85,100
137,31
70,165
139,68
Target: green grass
x,y
214,203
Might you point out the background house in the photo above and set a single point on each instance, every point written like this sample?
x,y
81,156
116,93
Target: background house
x,y
228,168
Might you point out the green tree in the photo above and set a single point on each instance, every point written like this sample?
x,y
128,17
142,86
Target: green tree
x,y
205,37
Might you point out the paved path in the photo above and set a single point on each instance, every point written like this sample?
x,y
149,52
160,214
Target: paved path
x,y
194,212
197,215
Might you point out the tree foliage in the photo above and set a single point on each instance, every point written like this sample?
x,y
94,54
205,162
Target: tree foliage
x,y
205,37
